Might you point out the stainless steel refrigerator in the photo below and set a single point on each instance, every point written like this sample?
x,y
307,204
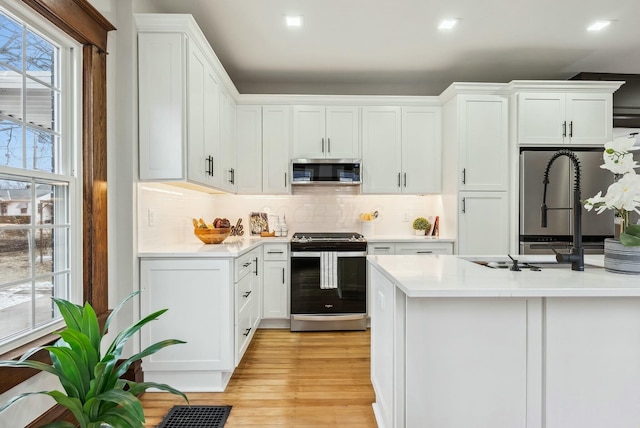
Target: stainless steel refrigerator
x,y
558,233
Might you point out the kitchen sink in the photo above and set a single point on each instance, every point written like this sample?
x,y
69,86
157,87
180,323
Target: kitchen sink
x,y
525,262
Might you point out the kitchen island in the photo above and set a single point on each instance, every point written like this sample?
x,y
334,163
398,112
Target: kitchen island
x,y
457,344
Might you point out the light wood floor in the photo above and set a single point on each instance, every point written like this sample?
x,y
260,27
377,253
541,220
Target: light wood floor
x,y
310,379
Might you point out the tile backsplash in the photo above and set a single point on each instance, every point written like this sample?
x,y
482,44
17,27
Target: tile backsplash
x,y
165,211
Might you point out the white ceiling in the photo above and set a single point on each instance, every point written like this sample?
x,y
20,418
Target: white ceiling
x,y
393,47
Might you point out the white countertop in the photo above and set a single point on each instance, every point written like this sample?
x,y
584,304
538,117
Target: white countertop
x,y
231,247
406,238
453,276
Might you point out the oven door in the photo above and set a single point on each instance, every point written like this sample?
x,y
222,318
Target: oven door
x,y
350,295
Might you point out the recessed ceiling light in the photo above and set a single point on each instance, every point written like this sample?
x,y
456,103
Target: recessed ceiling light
x,y
598,25
293,20
448,24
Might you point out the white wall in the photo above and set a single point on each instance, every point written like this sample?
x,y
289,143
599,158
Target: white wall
x,y
316,210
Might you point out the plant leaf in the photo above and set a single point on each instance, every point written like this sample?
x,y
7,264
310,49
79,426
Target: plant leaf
x,y
59,424
126,401
80,344
90,326
120,340
71,313
629,240
121,420
73,375
117,309
633,229
138,388
122,369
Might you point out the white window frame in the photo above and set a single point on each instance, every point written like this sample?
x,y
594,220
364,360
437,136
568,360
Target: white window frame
x,y
70,128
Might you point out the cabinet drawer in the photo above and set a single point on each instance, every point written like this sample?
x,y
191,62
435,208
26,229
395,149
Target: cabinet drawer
x,y
276,251
243,266
381,248
425,248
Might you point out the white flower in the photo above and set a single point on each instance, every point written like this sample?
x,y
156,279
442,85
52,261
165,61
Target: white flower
x,y
617,158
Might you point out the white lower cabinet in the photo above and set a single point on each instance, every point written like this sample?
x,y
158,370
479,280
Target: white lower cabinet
x,y
197,293
483,223
404,248
248,274
275,296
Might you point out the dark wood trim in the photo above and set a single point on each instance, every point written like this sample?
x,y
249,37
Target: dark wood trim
x,y
85,24
78,18
94,154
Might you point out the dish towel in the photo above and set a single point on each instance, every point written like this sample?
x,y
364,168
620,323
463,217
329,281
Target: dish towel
x,y
328,270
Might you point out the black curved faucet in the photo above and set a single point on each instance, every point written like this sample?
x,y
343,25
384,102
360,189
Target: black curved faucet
x,y
576,256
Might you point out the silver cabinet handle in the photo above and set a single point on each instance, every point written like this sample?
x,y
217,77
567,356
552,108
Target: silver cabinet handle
x,y
256,260
424,252
464,175
274,252
381,248
285,180
283,275
398,179
405,179
464,205
328,145
232,176
564,129
322,139
571,129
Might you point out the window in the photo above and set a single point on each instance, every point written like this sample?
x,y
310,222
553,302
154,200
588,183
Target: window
x,y
39,196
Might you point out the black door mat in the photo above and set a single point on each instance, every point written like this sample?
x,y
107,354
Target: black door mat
x,y
196,417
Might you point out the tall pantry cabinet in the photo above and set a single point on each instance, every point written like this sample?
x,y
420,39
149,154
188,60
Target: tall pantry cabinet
x,y
476,163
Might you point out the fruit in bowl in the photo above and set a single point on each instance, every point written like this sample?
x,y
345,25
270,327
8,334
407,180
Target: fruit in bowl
x,y
213,233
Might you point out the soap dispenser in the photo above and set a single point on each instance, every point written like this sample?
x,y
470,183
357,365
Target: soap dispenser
x,y
284,229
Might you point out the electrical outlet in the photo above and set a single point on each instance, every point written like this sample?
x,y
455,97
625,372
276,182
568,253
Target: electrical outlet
x,y
152,214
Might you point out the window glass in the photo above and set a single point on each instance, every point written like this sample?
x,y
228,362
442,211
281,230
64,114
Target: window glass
x,y
36,184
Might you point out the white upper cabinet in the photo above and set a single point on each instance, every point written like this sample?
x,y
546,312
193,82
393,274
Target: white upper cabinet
x,y
203,148
401,150
381,149
483,142
228,142
276,142
162,114
249,153
554,118
326,132
421,150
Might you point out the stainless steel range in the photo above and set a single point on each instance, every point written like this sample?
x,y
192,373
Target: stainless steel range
x,y
328,281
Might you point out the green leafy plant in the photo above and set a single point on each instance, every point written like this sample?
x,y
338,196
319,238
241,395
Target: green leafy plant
x,y
631,236
93,390
421,223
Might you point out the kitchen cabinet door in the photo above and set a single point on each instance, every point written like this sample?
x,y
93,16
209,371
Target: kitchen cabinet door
x,y
309,132
276,142
203,150
276,289
484,143
541,118
565,118
197,290
381,150
421,150
227,142
483,223
342,133
249,152
162,116
590,118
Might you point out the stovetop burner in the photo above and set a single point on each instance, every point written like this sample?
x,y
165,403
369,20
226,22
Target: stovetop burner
x,y
320,241
328,237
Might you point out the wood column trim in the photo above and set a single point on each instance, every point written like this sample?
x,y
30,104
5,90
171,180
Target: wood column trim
x,y
94,183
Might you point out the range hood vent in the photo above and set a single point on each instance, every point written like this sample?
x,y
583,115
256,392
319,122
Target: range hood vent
x,y
626,100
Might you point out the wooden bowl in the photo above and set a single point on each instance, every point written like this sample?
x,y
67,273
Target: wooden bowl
x,y
213,235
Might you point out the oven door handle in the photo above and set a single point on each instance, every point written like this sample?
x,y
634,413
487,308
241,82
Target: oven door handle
x,y
340,254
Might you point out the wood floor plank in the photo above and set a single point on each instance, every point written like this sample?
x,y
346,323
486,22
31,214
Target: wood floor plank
x,y
287,379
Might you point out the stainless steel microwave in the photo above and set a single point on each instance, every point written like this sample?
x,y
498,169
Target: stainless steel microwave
x,y
325,171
